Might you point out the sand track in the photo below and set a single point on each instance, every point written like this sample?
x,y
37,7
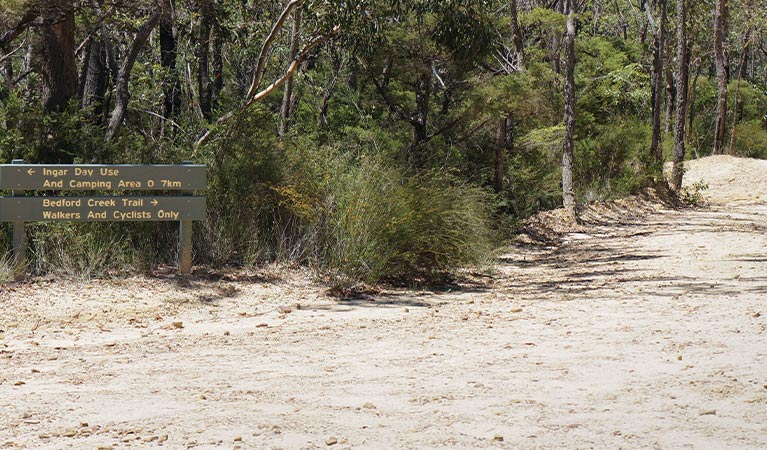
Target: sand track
x,y
645,332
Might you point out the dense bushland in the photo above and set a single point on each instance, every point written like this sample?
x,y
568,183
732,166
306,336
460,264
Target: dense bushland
x,y
409,142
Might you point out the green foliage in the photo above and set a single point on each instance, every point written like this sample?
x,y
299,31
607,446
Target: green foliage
x,y
243,209
528,96
693,195
542,21
534,173
463,28
430,78
613,162
750,140
7,269
82,250
611,85
752,101
31,134
379,224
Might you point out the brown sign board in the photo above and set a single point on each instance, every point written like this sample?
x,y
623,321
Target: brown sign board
x,y
101,209
98,177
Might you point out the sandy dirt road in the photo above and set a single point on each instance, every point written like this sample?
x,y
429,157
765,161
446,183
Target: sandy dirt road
x,y
639,332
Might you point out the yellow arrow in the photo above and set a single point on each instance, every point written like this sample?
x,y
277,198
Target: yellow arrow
x,y
154,202
30,171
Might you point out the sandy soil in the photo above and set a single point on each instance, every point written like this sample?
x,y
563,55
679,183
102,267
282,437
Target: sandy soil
x,y
643,331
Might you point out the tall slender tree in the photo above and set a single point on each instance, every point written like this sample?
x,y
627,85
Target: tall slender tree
x,y
94,79
168,50
681,98
504,123
287,98
720,13
122,94
203,65
659,43
568,193
741,74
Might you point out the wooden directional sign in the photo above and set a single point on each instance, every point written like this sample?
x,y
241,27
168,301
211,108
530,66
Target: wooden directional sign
x,y
94,177
20,177
101,209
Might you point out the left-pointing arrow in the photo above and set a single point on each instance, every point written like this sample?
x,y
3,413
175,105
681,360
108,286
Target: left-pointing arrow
x,y
31,171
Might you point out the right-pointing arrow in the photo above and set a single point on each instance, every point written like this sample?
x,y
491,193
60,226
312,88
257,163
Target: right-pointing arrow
x,y
154,202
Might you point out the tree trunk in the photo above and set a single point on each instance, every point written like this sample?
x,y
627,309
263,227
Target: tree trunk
x,y
681,97
338,64
8,73
418,157
122,95
500,155
743,71
556,39
568,195
322,120
691,101
59,70
657,87
721,76
218,69
516,33
670,98
736,102
171,88
95,77
203,69
287,97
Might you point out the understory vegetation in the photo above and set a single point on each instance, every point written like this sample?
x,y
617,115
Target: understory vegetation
x,y
407,139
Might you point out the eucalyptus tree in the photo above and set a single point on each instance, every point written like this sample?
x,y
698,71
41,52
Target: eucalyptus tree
x,y
659,42
568,193
720,12
682,57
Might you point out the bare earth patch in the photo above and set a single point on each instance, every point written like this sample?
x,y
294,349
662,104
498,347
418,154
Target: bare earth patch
x,y
638,331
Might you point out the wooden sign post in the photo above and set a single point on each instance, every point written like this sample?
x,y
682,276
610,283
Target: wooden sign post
x,y
184,208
